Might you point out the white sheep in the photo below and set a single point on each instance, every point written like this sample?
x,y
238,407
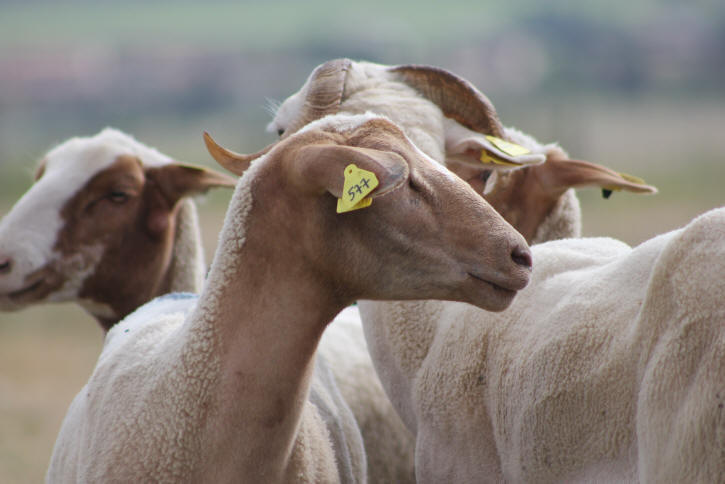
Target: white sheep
x,y
107,224
217,390
449,119
608,367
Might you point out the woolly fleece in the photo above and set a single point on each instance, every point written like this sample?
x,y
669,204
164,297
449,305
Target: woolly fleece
x,y
608,367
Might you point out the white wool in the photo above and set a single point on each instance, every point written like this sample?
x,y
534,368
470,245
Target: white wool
x,y
341,123
136,346
389,445
608,367
563,221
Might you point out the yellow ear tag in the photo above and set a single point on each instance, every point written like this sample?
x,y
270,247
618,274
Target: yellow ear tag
x,y
358,184
511,149
632,178
487,158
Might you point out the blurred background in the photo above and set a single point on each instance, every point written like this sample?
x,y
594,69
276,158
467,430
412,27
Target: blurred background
x,y
638,86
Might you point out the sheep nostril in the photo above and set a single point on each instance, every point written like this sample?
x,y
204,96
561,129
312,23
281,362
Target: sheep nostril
x,y
522,257
6,264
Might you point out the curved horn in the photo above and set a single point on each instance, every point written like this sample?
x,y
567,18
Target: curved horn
x,y
457,98
324,93
234,162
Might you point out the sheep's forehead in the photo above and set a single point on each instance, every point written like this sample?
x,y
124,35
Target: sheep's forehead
x,y
77,160
288,111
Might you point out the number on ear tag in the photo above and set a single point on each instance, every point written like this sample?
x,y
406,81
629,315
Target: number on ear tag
x,y
358,184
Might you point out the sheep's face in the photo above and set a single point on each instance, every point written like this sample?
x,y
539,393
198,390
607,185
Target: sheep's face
x,y
96,227
436,235
427,234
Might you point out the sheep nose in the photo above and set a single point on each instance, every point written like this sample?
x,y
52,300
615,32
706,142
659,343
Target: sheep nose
x,y
522,256
6,264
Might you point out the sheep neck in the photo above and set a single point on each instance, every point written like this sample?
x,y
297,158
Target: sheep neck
x,y
267,310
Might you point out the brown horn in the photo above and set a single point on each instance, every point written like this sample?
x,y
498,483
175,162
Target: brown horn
x,y
457,98
234,162
324,93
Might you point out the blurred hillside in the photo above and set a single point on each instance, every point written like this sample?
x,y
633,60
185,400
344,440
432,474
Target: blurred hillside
x,y
638,86
168,69
629,84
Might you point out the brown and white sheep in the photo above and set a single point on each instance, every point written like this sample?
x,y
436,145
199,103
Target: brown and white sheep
x,y
108,224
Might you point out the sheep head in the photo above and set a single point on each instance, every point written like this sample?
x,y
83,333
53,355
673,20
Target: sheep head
x,y
97,225
426,234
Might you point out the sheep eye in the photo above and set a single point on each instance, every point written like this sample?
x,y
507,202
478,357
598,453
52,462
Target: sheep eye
x,y
485,175
118,197
280,132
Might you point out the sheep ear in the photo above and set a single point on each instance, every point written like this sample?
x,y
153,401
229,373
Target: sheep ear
x,y
177,180
577,173
321,168
466,146
170,183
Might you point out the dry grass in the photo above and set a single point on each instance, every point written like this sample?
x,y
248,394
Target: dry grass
x,y
46,354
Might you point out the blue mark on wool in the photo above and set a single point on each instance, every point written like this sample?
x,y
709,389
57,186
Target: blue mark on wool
x,y
177,296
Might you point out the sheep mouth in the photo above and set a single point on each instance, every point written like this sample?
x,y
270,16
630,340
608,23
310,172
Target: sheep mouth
x,y
26,292
504,291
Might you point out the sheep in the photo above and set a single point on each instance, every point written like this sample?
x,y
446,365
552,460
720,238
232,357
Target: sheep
x,y
217,390
608,367
448,119
107,224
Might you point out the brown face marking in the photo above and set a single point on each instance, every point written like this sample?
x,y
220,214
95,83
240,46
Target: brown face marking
x,y
112,211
